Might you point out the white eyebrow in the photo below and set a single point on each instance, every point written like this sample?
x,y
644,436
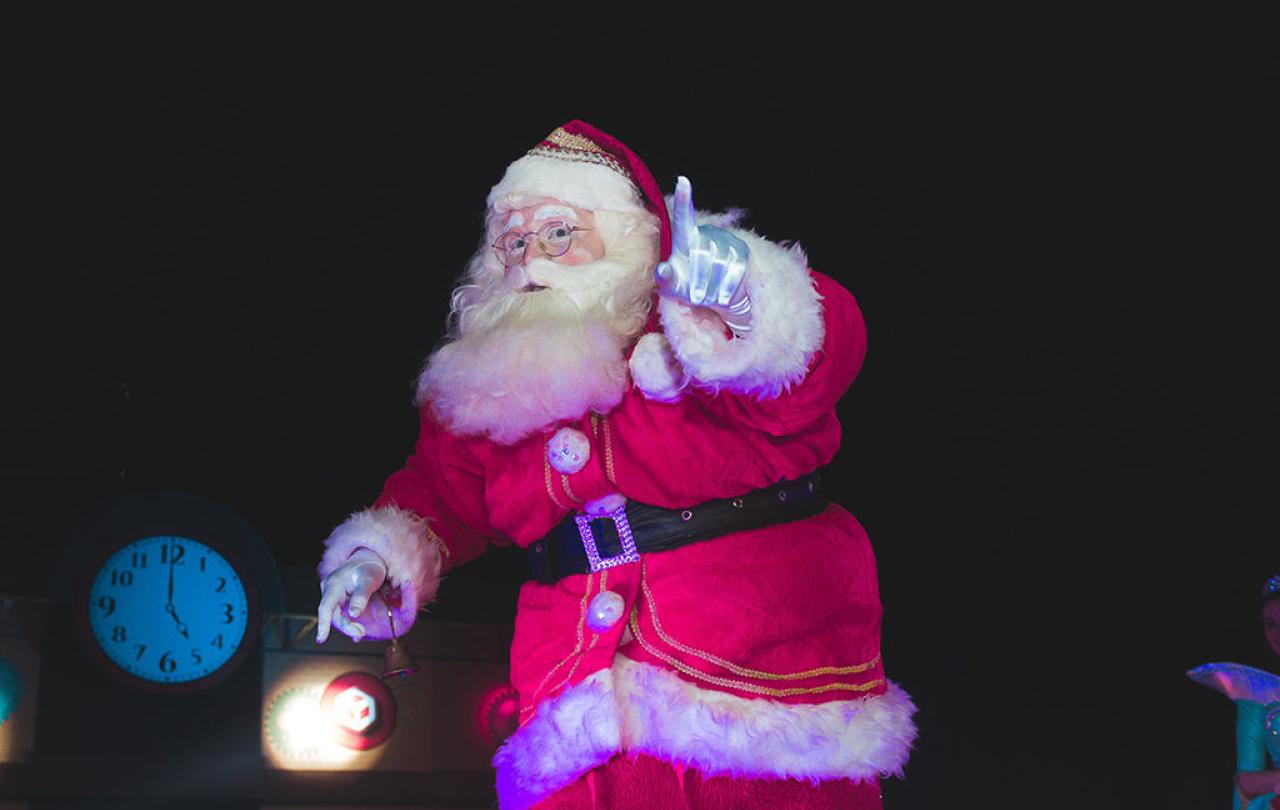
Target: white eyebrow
x,y
515,220
555,211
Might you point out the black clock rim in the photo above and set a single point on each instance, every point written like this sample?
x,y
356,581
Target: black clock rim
x,y
116,539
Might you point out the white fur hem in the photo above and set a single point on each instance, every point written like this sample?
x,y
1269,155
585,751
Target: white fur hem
x,y
786,327
413,556
569,735
638,707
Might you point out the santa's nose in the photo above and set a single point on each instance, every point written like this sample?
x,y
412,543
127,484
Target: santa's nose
x,y
516,276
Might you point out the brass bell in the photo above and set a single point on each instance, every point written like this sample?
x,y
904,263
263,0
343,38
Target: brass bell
x,y
398,661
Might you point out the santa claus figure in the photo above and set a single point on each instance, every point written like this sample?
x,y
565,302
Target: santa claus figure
x,y
643,395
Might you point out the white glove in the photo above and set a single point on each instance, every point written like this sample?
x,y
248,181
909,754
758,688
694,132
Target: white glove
x,y
358,578
707,265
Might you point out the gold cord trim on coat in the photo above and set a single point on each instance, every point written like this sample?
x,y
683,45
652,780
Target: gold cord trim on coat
x,y
595,637
564,482
608,453
551,493
743,685
736,668
582,621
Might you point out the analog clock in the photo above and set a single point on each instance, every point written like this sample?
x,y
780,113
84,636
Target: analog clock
x,y
169,610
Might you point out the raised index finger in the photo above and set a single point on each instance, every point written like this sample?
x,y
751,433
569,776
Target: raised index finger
x,y
684,231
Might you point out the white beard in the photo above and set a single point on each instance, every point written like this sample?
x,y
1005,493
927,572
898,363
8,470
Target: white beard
x,y
521,362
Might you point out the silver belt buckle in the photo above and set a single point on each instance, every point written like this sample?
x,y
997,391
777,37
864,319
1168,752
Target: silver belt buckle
x,y
629,553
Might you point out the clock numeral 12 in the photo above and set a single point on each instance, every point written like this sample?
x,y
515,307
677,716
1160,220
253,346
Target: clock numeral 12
x,y
176,551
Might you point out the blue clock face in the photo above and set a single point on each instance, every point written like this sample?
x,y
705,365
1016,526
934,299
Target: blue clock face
x,y
168,609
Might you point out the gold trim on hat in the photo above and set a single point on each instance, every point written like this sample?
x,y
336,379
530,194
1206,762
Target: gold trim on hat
x,y
562,145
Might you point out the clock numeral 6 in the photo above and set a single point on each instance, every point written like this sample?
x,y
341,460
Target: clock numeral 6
x,y
166,663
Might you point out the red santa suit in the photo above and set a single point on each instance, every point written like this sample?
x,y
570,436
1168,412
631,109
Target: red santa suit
x,y
753,655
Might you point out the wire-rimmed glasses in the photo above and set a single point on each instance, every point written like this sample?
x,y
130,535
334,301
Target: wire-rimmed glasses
x,y
554,239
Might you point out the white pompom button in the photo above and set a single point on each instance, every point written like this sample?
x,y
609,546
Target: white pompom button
x,y
568,450
605,610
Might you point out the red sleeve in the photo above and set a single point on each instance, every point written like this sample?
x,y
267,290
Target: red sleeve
x,y
443,483
831,371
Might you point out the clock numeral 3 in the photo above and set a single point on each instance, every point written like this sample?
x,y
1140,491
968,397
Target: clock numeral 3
x,y
227,615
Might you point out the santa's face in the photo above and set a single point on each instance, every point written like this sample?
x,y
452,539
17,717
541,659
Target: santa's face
x,y
577,273
538,338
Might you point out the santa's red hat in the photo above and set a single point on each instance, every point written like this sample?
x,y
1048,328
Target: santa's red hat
x,y
580,165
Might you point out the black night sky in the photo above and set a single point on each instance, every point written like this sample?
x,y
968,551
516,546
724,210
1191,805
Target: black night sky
x,y
1063,442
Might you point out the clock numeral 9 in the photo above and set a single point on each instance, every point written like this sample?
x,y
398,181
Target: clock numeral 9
x,y
175,551
107,604
122,577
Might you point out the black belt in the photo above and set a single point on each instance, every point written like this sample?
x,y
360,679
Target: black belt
x,y
580,545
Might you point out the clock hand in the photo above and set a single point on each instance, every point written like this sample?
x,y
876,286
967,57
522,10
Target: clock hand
x,y
182,627
171,561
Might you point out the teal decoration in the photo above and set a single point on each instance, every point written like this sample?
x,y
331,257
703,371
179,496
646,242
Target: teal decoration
x,y
11,689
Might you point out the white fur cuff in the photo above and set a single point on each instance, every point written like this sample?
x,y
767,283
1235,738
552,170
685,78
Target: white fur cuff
x,y
786,328
413,556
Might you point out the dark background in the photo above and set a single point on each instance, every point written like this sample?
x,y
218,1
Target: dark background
x,y
1062,443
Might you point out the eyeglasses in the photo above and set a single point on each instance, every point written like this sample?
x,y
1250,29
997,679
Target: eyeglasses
x,y
554,239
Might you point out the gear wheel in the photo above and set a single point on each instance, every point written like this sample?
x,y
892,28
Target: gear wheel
x,y
286,742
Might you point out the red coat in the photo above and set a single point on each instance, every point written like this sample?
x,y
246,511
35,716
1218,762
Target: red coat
x,y
757,652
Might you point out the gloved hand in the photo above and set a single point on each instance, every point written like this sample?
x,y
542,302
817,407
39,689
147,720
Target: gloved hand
x,y
345,593
707,266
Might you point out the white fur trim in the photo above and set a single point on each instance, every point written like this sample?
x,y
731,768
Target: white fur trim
x,y
569,735
719,733
583,185
655,369
786,325
642,708
413,556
